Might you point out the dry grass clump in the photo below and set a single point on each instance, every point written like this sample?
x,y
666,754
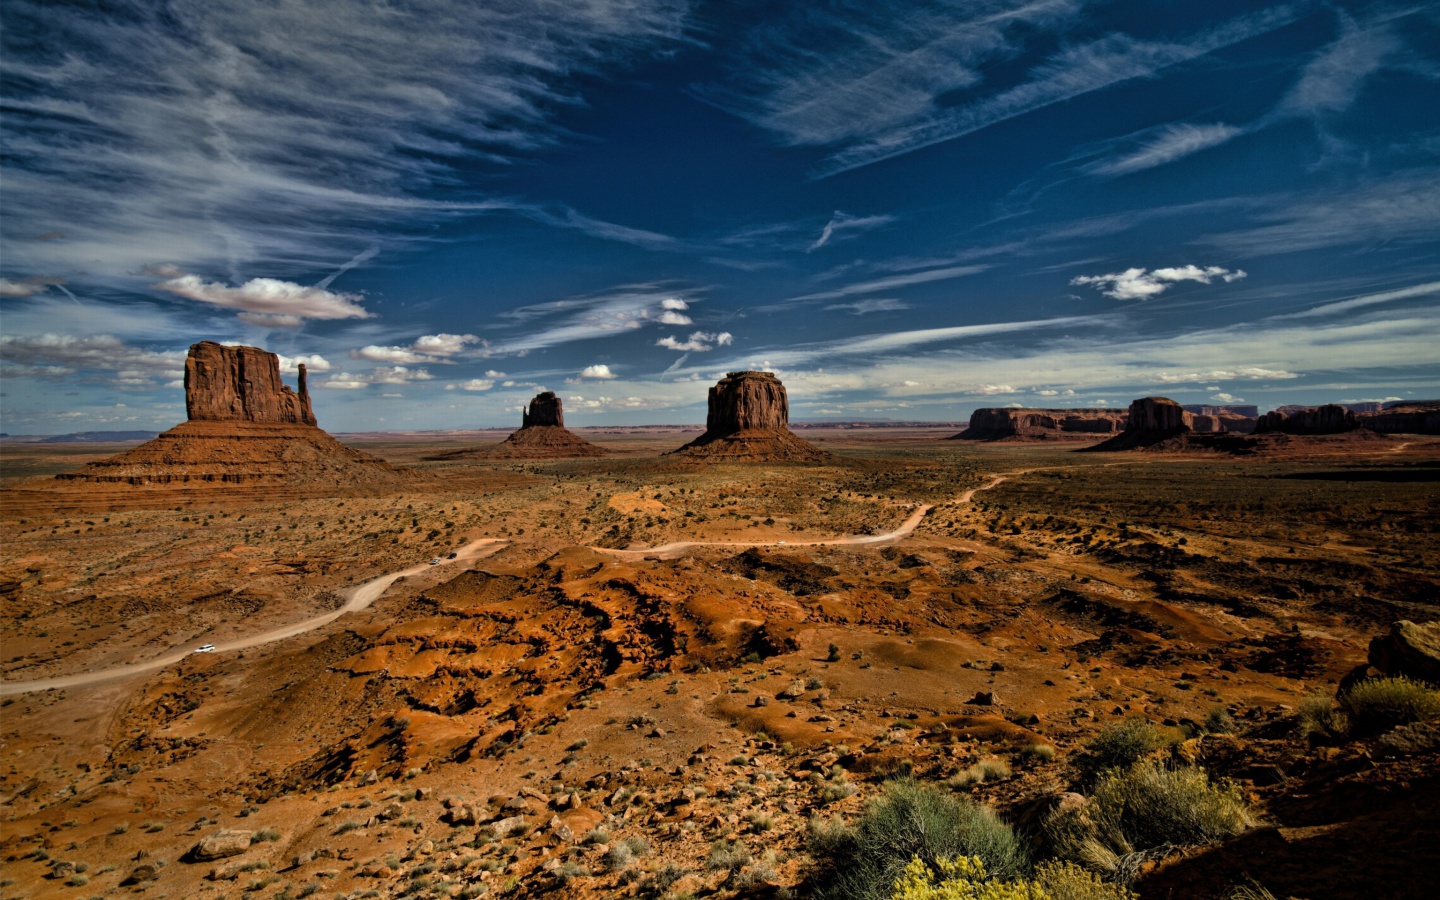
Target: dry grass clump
x,y
1118,746
981,772
862,861
1137,813
1378,704
965,878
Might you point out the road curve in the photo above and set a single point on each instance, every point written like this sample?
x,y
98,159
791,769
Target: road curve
x,y
357,598
362,595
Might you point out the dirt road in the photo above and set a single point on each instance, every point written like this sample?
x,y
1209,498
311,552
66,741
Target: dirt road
x,y
357,598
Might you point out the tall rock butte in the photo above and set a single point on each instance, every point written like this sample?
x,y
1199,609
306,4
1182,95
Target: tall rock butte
x,y
542,435
749,420
1149,421
244,427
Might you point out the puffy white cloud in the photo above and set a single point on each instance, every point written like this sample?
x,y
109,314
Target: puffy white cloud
x,y
269,297
671,317
429,348
312,363
1246,373
443,344
1141,284
599,372
1223,397
382,375
474,384
698,342
23,288
491,373
673,303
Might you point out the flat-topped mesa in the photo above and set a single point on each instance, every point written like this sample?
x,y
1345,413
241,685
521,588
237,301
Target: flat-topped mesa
x,y
1149,421
1016,424
545,409
1328,419
242,384
749,420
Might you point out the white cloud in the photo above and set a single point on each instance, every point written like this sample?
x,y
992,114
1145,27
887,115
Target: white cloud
x,y
671,317
474,384
62,355
1174,142
270,320
1397,210
601,372
428,348
673,303
269,297
24,287
892,282
1325,309
1239,373
1331,81
698,342
840,224
590,317
382,375
1140,284
491,373
214,132
863,307
313,363
1223,397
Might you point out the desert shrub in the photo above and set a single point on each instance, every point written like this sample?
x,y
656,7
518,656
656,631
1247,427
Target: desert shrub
x,y
570,871
265,834
638,845
1379,704
618,857
1148,807
730,855
1218,721
1118,746
862,861
983,771
965,878
1039,752
1317,718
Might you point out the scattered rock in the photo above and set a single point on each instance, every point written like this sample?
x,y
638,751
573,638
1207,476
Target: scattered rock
x,y
983,698
221,844
141,874
1409,649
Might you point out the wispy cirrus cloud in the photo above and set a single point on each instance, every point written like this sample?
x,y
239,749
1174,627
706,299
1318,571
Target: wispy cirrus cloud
x,y
882,98
697,342
1168,144
588,318
189,127
890,283
842,225
865,307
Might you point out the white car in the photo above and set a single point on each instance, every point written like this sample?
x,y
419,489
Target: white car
x,y
436,561
205,648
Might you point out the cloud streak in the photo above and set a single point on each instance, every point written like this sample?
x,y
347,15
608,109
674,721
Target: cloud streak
x,y
1140,284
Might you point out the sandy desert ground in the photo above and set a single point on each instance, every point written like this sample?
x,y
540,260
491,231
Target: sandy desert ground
x,y
692,662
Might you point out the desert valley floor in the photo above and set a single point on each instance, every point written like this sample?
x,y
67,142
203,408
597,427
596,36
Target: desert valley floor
x,y
648,676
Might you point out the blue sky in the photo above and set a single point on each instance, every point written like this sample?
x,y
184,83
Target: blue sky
x,y
906,210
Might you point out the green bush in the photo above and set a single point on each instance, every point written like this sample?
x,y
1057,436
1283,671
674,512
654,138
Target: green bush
x,y
1148,807
862,861
967,879
1118,746
1317,718
1379,704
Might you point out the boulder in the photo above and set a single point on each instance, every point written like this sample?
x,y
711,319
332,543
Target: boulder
x,y
242,384
221,844
1409,649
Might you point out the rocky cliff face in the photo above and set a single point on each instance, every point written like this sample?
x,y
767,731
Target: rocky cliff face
x,y
242,384
1000,424
749,420
1328,419
1415,417
1149,421
545,409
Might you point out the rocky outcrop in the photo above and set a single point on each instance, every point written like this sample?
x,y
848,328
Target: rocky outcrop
x,y
1149,421
245,428
545,409
542,435
1328,419
220,844
1414,417
1244,411
242,384
1409,649
749,421
1011,424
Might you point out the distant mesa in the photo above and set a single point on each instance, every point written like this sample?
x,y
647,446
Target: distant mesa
x,y
1405,417
1328,419
1149,421
245,426
1026,425
749,421
542,435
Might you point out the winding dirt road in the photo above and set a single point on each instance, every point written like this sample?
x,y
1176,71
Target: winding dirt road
x,y
357,598
361,596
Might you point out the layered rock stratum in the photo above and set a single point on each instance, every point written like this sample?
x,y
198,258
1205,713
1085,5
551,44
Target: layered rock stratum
x,y
542,435
245,427
749,421
1410,417
1019,425
1149,421
1328,419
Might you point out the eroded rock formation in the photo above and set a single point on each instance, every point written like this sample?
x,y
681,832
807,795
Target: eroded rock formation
x,y
1412,417
545,409
542,435
242,384
1149,421
245,428
1009,424
749,420
1328,419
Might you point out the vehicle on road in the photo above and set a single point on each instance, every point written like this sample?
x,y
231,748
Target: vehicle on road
x,y
205,648
436,561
